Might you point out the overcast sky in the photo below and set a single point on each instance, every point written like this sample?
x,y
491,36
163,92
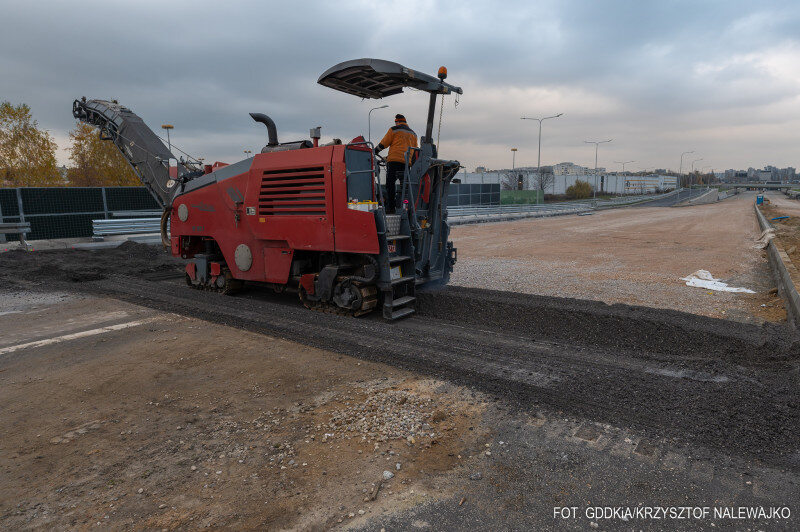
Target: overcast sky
x,y
720,78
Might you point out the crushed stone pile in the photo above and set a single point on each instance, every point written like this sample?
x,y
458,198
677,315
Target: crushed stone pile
x,y
383,416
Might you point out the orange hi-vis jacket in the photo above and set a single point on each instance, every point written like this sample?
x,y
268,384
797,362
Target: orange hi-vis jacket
x,y
398,139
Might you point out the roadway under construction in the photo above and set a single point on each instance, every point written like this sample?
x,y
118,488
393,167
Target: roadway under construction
x,y
615,363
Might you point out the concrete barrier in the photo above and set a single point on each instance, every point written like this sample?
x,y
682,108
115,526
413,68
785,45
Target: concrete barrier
x,y
712,196
786,274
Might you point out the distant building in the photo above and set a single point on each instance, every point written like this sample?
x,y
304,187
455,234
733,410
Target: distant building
x,y
574,169
771,173
646,184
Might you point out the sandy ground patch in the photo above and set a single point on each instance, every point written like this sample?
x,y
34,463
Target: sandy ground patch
x,y
635,255
179,423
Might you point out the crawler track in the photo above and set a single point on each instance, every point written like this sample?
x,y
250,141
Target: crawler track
x,y
703,382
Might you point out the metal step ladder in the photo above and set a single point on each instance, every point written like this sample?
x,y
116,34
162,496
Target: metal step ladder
x,y
399,297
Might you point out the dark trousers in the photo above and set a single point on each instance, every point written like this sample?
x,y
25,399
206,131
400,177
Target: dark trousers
x,y
394,171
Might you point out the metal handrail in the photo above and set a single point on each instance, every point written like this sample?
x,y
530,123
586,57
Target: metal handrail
x,y
376,167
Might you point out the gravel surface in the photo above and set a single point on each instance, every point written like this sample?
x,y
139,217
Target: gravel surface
x,y
632,255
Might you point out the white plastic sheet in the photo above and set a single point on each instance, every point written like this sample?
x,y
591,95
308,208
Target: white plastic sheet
x,y
704,279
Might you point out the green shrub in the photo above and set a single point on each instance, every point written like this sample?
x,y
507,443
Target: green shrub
x,y
580,190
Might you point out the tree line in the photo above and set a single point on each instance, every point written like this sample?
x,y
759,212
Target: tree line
x,y
28,155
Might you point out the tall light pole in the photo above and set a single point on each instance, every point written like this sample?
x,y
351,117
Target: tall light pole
x,y
168,127
513,158
369,121
540,120
597,144
623,163
247,153
680,173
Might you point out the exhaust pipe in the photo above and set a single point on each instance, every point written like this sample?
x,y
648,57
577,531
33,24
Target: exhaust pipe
x,y
272,131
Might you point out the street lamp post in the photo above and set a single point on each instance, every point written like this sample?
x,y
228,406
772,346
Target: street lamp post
x,y
680,173
513,158
597,144
539,157
247,153
623,163
168,127
369,121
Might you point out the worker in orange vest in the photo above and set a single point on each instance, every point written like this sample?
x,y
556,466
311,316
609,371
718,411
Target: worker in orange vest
x,y
398,139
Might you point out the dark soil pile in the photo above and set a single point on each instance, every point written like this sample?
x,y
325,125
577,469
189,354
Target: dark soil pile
x,y
77,265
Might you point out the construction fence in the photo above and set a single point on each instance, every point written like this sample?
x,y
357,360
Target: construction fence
x,y
67,212
463,195
518,197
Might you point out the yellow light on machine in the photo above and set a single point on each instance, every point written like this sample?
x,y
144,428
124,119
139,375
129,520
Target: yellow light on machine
x,y
442,72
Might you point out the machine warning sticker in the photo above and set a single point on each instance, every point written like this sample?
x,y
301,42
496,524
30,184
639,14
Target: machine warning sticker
x,y
396,273
392,247
251,211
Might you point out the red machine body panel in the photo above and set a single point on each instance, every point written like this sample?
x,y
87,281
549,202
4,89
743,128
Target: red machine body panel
x,y
291,194
355,230
286,201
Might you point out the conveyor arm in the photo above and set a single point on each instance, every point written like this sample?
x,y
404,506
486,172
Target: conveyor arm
x,y
140,146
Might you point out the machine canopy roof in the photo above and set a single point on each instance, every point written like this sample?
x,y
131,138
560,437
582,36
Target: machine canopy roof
x,y
376,78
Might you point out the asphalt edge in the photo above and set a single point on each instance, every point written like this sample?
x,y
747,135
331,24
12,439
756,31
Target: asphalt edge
x,y
782,270
697,201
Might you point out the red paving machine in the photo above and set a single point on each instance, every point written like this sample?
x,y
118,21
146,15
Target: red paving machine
x,y
300,215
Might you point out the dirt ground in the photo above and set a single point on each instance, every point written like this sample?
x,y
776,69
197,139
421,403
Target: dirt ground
x,y
787,230
133,401
633,255
171,422
130,401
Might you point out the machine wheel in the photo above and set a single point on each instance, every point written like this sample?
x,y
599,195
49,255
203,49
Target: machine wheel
x,y
225,284
367,295
230,285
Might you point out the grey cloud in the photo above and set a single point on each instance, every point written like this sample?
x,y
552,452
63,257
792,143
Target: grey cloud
x,y
203,66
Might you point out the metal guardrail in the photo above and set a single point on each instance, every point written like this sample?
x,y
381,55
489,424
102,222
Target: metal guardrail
x,y
543,209
136,214
636,198
546,209
125,226
18,228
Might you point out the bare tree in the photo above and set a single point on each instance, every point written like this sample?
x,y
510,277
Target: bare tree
x,y
544,180
512,180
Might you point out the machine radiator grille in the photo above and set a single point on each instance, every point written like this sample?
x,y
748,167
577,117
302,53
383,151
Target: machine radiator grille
x,y
292,192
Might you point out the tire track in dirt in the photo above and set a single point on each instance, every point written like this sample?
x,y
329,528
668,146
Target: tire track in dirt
x,y
688,396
